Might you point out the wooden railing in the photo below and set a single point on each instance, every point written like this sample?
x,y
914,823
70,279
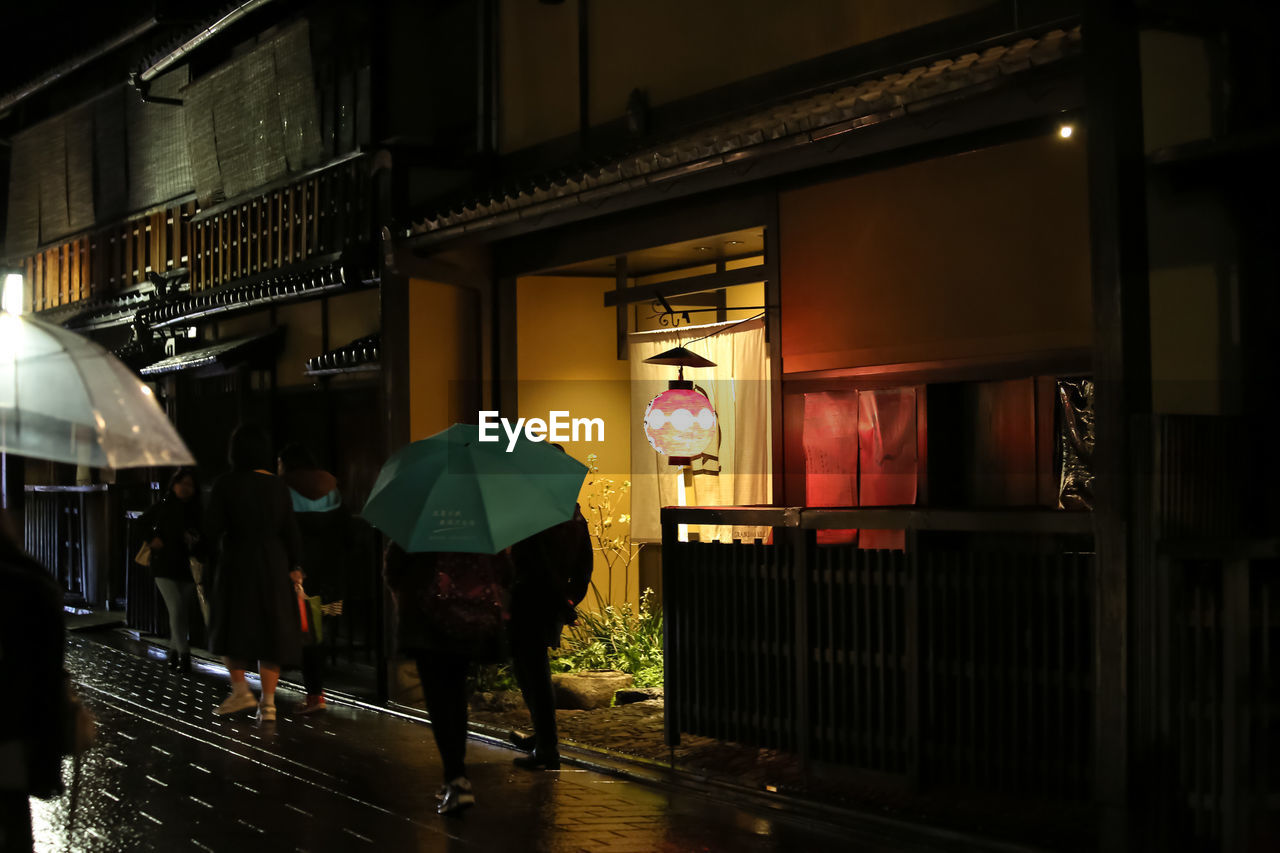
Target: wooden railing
x,y
71,531
965,659
321,213
1220,774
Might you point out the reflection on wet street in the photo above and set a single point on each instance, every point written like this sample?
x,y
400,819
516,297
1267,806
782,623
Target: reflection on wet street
x,y
168,775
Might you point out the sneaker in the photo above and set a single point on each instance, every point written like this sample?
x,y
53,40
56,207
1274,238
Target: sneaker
x,y
313,704
457,797
237,701
266,713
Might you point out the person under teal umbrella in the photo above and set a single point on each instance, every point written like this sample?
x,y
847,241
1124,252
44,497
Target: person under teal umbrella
x,y
452,507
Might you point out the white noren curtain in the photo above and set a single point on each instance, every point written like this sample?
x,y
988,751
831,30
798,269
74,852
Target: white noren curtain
x,y
735,471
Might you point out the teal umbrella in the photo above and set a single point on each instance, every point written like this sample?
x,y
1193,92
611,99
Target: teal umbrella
x,y
453,492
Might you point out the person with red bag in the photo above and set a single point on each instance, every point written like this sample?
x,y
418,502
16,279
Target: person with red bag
x,y
451,613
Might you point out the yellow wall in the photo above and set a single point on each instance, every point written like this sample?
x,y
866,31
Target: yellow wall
x,y
567,352
984,254
539,72
302,340
1177,99
1185,343
1190,247
244,325
442,331
673,49
351,316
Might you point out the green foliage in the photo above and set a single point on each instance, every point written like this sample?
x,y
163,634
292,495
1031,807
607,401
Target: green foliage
x,y
610,529
494,678
618,638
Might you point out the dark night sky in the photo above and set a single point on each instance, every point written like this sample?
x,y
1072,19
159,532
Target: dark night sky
x,y
41,34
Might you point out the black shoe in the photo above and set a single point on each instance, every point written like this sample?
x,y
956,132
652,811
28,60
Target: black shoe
x,y
522,740
184,662
171,659
534,761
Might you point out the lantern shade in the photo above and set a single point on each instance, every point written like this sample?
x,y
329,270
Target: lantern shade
x,y
680,423
680,357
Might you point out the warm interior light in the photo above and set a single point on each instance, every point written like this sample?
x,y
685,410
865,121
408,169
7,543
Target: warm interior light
x,y
11,299
1066,130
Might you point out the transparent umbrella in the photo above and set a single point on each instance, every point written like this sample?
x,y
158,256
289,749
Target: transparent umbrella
x,y
64,398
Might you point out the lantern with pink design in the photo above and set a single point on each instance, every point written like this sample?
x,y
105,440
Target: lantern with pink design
x,y
680,422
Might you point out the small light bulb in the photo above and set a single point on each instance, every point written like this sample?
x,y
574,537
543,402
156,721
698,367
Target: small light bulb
x,y
1066,130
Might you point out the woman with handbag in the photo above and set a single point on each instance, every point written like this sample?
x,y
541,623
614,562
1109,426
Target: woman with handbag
x,y
171,534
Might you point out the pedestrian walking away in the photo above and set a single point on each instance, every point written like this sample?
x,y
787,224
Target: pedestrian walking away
x,y
548,569
254,609
171,529
326,530
451,614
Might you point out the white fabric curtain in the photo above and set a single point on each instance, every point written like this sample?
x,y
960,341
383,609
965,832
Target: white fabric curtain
x,y
733,471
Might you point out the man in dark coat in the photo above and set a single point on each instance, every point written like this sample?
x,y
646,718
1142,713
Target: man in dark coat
x,y
33,725
542,603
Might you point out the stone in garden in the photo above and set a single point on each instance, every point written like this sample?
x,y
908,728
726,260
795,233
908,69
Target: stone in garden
x,y
637,694
589,689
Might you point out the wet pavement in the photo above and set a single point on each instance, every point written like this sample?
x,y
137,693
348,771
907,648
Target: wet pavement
x,y
168,775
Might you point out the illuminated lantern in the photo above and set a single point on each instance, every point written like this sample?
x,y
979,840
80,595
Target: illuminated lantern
x,y
680,423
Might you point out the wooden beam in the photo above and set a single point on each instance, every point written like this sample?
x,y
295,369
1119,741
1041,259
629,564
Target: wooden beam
x,y
678,286
620,282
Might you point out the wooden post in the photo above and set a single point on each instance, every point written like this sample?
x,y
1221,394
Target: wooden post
x,y
773,336
620,281
1236,753
803,544
671,639
1122,354
911,651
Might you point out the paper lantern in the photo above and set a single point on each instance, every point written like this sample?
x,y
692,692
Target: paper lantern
x,y
680,423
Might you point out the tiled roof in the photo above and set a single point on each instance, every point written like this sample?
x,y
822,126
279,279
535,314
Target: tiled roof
x,y
795,123
360,354
97,313
321,275
219,351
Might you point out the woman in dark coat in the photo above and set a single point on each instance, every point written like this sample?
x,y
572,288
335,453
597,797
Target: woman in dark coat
x,y
171,526
255,606
451,613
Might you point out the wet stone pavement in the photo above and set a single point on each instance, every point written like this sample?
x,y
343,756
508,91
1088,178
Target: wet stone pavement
x,y
168,775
